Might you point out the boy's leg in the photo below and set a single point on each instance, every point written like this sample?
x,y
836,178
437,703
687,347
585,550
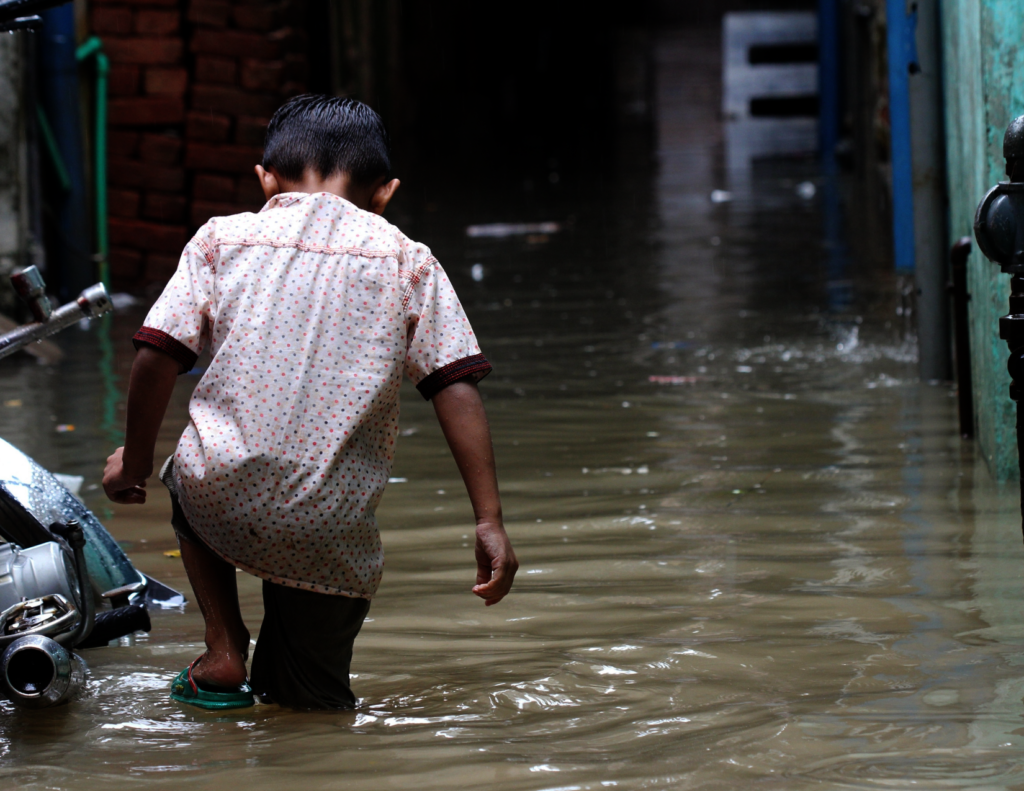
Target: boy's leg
x,y
304,649
214,582
227,639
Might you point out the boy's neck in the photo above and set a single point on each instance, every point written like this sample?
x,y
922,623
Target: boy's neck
x,y
372,197
339,184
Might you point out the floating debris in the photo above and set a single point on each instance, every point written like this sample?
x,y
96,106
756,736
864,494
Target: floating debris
x,y
806,190
398,480
501,230
13,403
674,380
643,469
63,428
477,272
670,344
172,553
122,300
721,196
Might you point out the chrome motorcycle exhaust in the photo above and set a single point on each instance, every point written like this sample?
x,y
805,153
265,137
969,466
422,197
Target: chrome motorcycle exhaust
x,y
37,672
92,302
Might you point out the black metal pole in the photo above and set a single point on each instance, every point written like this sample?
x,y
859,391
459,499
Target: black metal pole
x,y
1011,330
964,389
999,229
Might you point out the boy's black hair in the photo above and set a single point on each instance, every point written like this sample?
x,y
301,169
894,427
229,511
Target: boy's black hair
x,y
327,134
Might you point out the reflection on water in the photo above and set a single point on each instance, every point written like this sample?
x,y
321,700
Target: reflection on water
x,y
771,564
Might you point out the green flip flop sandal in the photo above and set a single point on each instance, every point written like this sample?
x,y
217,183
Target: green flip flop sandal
x,y
184,689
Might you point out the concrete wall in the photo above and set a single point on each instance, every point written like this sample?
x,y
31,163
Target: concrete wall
x,y
12,159
983,47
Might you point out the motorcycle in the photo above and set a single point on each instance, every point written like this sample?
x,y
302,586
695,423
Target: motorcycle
x,y
65,583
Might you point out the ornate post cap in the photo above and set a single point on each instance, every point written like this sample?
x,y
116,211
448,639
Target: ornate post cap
x,y
999,221
1013,140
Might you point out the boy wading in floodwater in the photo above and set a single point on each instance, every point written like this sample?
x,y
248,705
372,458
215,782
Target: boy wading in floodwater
x,y
313,309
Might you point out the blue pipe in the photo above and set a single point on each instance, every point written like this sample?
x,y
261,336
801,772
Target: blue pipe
x,y
900,34
69,244
829,85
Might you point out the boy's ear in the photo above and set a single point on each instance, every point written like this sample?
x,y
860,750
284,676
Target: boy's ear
x,y
268,181
382,196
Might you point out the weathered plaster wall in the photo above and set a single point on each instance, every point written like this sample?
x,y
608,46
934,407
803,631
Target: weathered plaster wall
x,y
983,47
11,157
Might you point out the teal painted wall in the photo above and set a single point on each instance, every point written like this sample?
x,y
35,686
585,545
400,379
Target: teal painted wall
x,y
983,53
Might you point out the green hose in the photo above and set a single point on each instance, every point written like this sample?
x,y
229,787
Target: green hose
x,y
53,150
112,396
94,47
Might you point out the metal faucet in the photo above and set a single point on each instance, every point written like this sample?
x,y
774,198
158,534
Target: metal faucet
x,y
92,302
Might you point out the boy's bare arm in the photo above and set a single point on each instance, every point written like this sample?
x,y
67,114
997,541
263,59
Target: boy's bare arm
x,y
460,412
149,391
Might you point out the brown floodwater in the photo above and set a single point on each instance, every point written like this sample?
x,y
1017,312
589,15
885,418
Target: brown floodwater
x,y
774,565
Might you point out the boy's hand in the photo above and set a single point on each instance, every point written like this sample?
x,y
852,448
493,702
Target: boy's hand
x,y
149,391
460,411
496,563
120,486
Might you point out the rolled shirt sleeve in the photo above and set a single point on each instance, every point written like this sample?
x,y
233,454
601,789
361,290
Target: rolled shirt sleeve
x,y
442,348
179,322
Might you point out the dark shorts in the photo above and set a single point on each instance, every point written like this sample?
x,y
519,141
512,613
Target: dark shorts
x,y
304,648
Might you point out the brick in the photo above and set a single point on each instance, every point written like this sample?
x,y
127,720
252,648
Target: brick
x,y
123,203
156,22
164,179
232,101
149,236
207,127
296,67
222,159
125,263
160,149
162,81
235,43
145,51
251,131
167,3
123,141
159,267
123,80
211,69
204,210
249,192
131,174
209,12
111,20
146,111
289,39
169,207
261,75
208,187
258,17
290,89
123,172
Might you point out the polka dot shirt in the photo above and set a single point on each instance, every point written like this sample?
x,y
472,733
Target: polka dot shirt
x,y
312,310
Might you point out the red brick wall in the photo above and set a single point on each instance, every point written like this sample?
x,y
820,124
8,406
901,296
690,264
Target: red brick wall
x,y
192,85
